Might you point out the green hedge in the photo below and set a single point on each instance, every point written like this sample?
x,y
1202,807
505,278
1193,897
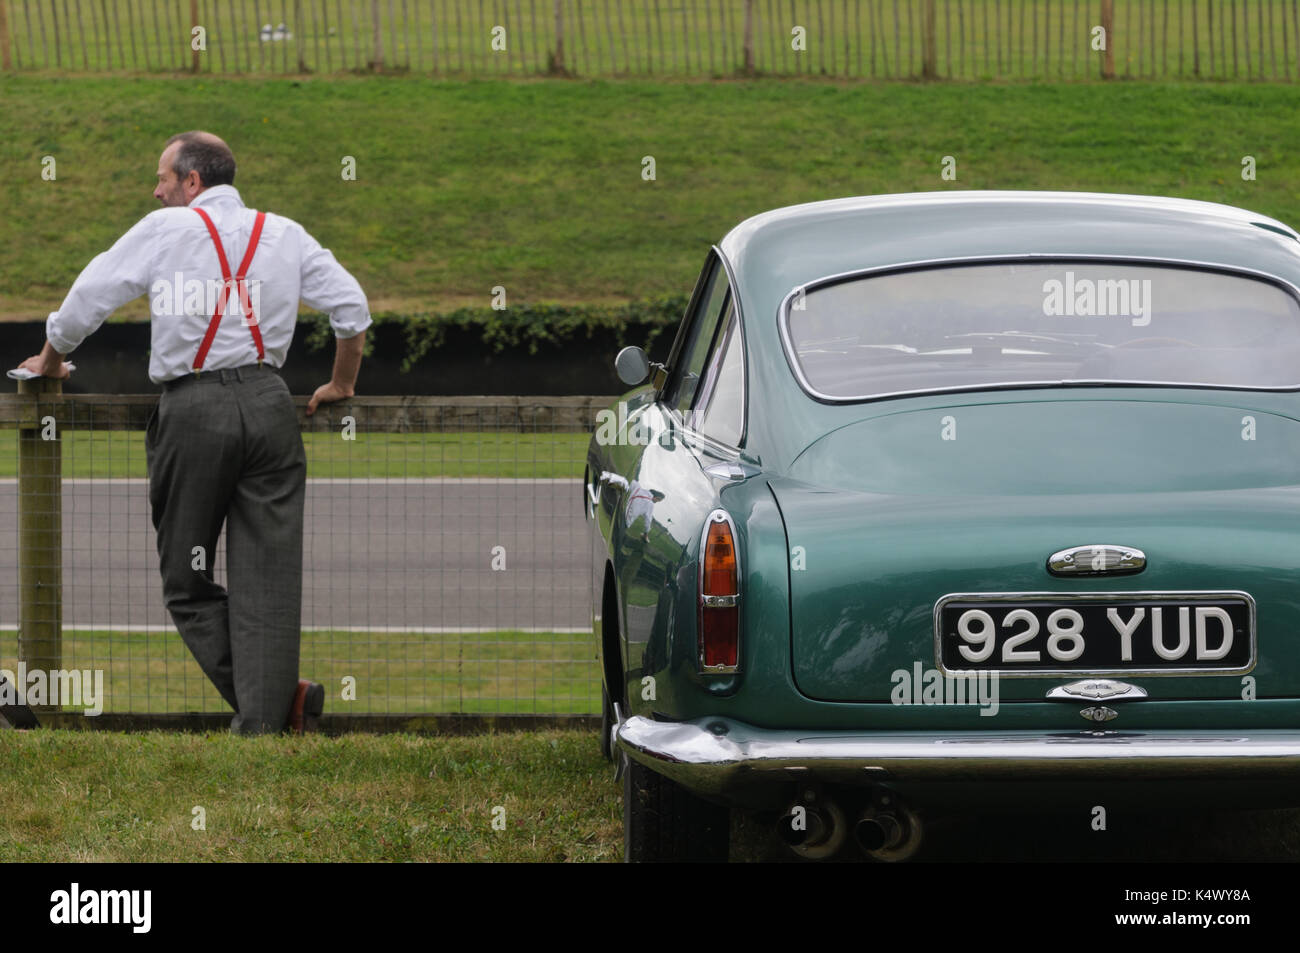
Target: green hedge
x,y
530,325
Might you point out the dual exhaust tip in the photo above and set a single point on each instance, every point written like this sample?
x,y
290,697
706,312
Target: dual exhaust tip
x,y
818,832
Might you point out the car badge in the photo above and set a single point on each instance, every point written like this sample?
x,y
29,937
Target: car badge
x,y
1097,559
1099,713
1098,689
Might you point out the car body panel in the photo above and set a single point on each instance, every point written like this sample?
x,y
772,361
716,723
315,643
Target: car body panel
x,y
890,517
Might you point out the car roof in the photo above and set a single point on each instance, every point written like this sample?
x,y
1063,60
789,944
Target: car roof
x,y
776,251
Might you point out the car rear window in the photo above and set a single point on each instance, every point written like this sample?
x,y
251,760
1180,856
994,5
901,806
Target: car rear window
x,y
1040,322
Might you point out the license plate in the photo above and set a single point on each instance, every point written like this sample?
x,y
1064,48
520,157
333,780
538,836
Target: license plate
x,y
1145,633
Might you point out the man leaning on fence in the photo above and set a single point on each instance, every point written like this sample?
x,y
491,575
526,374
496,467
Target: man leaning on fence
x,y
224,443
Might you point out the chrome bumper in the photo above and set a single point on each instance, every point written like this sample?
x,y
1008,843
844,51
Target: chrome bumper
x,y
718,755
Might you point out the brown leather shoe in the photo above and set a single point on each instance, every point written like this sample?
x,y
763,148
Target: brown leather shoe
x,y
308,704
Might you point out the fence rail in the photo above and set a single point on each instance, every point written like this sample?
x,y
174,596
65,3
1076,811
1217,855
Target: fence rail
x,y
446,566
853,39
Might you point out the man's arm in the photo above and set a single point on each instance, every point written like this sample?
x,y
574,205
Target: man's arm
x,y
112,278
347,362
328,287
49,363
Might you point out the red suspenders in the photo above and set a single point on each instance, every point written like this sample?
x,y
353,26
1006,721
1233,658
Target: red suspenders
x,y
240,281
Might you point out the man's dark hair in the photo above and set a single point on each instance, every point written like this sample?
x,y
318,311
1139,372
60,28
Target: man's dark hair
x,y
207,155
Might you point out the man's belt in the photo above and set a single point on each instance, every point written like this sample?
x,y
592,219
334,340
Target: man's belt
x,y
225,375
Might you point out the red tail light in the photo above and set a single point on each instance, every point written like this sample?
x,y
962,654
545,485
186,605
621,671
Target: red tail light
x,y
719,611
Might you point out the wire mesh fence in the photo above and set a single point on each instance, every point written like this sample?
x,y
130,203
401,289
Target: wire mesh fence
x,y
969,39
446,564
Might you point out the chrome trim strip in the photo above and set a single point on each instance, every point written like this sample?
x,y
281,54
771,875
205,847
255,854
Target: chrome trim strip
x,y
619,763
716,447
678,338
732,470
744,364
1066,598
787,346
744,349
703,601
715,755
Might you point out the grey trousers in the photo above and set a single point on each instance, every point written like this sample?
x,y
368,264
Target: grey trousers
x,y
227,448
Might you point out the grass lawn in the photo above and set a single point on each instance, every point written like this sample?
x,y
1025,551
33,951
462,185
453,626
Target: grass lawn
x,y
110,797
505,672
537,185
113,797
120,454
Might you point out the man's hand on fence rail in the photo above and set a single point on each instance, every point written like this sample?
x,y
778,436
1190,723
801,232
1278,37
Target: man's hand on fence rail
x,y
327,393
347,362
49,363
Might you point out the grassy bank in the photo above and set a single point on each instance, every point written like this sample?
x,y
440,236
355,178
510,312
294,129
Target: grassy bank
x,y
537,187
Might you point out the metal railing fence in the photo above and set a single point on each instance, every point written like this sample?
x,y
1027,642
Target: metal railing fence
x,y
446,567
856,39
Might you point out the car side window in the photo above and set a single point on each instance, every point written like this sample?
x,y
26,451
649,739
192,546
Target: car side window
x,y
680,393
719,407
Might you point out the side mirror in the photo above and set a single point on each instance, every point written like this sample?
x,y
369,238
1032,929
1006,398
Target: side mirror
x,y
632,365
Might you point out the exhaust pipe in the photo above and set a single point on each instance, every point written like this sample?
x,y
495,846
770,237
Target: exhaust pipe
x,y
880,832
802,827
888,831
813,832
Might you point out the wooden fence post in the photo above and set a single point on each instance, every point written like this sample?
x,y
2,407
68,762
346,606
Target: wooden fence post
x,y
929,47
40,538
377,62
6,61
194,21
557,57
300,24
749,37
1196,43
1108,31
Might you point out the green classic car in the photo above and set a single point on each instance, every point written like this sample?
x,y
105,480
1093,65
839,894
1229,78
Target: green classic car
x,y
954,498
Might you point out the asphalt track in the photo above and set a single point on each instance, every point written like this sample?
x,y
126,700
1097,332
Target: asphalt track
x,y
378,554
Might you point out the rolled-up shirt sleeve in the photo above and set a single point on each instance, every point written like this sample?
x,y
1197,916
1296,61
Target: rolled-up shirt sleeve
x,y
329,288
112,278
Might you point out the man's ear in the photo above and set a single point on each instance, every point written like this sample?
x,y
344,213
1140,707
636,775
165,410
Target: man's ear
x,y
193,183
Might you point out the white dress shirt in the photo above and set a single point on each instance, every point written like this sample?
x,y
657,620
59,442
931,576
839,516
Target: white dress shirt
x,y
169,256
